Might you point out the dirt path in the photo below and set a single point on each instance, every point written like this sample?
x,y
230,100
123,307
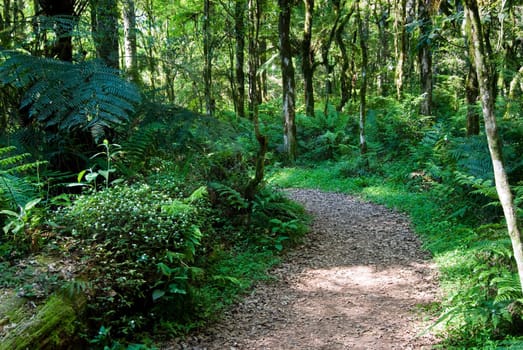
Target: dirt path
x,y
356,283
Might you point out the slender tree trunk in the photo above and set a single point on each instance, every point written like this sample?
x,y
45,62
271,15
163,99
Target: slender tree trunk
x,y
5,23
254,26
382,52
129,39
486,79
425,57
325,48
345,75
106,31
253,58
400,42
363,35
308,58
207,53
287,69
471,94
261,44
239,33
263,90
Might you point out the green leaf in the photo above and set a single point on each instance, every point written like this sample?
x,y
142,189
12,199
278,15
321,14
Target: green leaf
x,y
81,175
164,269
91,177
31,204
157,294
173,288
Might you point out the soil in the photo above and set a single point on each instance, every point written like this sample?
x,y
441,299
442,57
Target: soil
x,y
359,281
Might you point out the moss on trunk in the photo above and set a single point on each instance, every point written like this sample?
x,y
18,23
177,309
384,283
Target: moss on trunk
x,y
54,326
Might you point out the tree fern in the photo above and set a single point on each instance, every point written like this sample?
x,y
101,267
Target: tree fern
x,y
87,96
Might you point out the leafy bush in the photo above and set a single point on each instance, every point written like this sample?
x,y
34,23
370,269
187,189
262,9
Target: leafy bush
x,y
138,247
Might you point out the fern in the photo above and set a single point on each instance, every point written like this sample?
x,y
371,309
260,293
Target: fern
x,y
85,96
472,156
509,288
14,190
142,144
231,197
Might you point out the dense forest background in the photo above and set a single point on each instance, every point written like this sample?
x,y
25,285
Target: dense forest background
x,y
142,142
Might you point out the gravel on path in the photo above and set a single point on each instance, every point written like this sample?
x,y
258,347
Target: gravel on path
x,y
358,282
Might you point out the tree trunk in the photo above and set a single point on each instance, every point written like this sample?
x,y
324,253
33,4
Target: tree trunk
x,y
129,39
261,47
263,89
486,80
207,53
5,22
106,31
65,9
239,33
253,58
308,58
363,34
287,69
345,75
425,57
148,45
382,51
254,26
400,43
471,94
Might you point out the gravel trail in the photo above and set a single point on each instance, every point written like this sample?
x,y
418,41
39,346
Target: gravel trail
x,y
357,282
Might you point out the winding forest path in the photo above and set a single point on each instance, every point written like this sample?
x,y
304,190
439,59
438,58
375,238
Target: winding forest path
x,y
356,283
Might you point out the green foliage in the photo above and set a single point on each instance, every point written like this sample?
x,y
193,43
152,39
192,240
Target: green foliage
x,y
14,189
138,245
111,152
67,97
324,136
18,197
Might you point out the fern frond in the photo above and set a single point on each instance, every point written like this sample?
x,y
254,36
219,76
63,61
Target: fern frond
x,y
232,197
142,144
14,190
83,96
509,288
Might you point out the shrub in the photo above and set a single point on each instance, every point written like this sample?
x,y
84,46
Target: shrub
x,y
138,247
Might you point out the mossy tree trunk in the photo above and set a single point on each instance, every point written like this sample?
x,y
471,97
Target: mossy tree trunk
x,y
54,326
